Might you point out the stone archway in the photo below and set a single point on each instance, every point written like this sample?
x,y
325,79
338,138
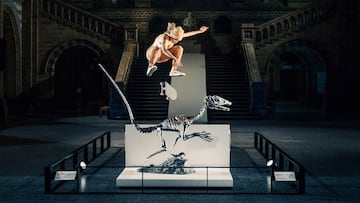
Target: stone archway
x,y
60,48
297,78
78,83
11,84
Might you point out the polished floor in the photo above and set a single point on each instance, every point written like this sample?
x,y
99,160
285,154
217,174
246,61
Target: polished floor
x,y
328,149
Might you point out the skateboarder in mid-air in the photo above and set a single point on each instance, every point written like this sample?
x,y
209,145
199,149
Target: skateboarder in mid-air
x,y
165,47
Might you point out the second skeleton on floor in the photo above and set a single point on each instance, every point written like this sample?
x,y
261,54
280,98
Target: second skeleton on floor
x,y
165,48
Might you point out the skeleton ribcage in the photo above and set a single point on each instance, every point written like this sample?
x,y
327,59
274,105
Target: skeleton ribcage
x,y
171,123
176,122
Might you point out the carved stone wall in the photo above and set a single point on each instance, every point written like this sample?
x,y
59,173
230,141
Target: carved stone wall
x,y
10,31
225,41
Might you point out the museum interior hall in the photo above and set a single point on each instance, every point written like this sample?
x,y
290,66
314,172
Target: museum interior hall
x,y
166,100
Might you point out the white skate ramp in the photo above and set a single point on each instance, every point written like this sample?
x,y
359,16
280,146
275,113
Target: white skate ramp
x,y
191,89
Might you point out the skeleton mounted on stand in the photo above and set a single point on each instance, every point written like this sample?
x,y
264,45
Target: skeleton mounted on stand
x,y
178,124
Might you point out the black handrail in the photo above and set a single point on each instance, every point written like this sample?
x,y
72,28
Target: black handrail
x,y
282,161
74,158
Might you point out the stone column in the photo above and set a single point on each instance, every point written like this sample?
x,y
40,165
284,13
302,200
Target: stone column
x,y
2,55
1,23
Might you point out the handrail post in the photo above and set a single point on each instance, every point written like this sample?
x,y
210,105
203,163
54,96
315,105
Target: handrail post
x,y
108,143
256,138
266,150
47,179
102,143
301,180
86,154
75,160
273,153
94,149
281,161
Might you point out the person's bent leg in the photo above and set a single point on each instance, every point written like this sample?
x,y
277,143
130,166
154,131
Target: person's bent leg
x,y
177,51
152,55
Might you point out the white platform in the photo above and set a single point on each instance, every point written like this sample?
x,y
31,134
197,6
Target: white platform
x,y
203,177
200,154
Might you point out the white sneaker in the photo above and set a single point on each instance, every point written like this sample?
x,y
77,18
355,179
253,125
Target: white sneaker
x,y
151,70
176,73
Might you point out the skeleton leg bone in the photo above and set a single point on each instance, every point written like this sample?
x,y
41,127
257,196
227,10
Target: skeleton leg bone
x,y
163,144
153,154
162,140
171,149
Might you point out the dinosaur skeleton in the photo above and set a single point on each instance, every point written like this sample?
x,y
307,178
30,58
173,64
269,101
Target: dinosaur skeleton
x,y
179,123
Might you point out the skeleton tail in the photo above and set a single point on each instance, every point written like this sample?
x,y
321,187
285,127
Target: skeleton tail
x,y
131,115
132,119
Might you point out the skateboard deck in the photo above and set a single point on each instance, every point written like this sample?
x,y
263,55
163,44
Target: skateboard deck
x,y
168,91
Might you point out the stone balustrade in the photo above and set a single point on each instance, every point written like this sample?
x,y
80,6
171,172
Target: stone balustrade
x,y
82,20
286,24
95,26
258,35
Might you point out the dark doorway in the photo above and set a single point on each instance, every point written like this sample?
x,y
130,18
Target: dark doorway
x,y
291,87
298,81
291,77
78,81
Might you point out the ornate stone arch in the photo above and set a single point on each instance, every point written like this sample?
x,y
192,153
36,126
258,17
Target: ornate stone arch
x,y
60,48
274,56
11,9
14,9
312,67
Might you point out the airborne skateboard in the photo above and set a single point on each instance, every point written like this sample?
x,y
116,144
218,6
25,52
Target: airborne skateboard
x,y
168,91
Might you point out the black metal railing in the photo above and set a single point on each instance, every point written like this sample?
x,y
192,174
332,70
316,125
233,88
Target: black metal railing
x,y
86,153
257,183
282,161
207,180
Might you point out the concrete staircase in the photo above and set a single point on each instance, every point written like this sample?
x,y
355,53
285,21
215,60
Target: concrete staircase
x,y
143,92
227,77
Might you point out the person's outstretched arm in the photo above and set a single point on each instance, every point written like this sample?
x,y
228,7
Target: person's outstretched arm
x,y
195,32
